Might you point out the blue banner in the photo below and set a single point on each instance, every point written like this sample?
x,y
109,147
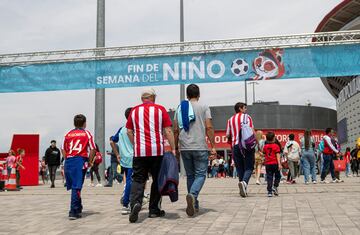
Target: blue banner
x,y
307,62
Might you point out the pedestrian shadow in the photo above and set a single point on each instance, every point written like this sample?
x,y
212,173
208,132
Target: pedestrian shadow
x,y
202,211
168,216
89,213
171,216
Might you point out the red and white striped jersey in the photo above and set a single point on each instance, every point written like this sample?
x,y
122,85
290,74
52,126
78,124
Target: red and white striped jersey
x,y
234,125
77,142
147,121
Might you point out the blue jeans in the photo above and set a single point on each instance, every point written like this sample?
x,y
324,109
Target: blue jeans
x,y
214,171
128,174
347,169
328,163
308,163
114,174
244,162
273,176
74,174
195,163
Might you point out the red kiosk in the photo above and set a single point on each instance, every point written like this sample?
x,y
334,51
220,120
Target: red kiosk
x,y
30,143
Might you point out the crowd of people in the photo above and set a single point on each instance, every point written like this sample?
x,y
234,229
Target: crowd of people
x,y
138,149
14,162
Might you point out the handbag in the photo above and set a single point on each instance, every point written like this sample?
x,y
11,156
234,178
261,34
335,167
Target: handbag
x,y
339,165
284,163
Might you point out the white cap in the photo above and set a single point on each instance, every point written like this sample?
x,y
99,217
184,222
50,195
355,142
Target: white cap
x,y
147,93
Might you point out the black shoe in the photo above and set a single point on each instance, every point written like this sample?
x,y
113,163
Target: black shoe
x,y
275,191
73,216
134,214
52,186
161,213
107,185
190,200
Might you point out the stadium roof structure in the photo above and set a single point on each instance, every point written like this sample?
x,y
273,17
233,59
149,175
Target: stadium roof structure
x,y
345,16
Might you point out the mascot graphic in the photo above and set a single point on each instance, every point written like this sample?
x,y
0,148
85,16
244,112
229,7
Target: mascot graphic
x,y
269,65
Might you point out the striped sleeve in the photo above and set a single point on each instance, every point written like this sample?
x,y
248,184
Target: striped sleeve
x,y
228,128
91,140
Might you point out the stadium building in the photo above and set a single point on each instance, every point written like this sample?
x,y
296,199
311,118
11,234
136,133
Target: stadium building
x,y
346,90
271,116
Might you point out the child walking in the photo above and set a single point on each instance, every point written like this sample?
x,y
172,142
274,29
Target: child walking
x,y
272,164
125,157
95,168
347,158
75,150
19,165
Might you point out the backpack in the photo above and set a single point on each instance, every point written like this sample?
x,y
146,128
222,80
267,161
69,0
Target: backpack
x,y
98,158
321,146
247,138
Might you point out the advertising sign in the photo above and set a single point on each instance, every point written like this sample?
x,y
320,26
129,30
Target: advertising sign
x,y
277,63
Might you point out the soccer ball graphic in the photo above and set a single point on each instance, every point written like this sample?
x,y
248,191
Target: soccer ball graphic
x,y
239,67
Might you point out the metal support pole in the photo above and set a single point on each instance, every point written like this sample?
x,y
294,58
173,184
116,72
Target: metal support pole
x,y
182,86
245,91
253,83
100,93
253,92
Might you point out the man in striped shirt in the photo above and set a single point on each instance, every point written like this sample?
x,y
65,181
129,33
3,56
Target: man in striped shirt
x,y
145,130
244,159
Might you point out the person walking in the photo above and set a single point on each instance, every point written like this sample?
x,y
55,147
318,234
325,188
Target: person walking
x,y
355,156
347,158
10,162
76,146
329,153
52,160
244,159
192,123
95,168
124,153
43,170
292,152
19,165
272,164
308,159
259,155
145,130
114,163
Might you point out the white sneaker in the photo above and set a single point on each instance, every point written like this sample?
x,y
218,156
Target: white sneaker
x,y
306,182
125,210
314,182
324,182
99,185
91,185
258,182
334,181
242,187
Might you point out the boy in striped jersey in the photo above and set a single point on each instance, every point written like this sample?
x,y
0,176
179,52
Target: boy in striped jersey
x,y
77,143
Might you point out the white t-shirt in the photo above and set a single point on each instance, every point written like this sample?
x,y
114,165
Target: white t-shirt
x,y
292,150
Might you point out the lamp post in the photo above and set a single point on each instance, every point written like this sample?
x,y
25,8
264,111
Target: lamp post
x,y
253,83
100,93
182,86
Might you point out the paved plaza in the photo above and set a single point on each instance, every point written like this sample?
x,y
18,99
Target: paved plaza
x,y
300,209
